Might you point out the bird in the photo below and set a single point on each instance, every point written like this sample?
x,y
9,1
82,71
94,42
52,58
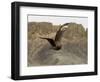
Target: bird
x,y
56,43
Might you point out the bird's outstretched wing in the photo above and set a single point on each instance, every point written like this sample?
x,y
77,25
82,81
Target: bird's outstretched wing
x,y
63,25
51,41
60,32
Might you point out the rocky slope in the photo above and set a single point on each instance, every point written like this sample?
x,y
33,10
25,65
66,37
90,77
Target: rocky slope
x,y
40,52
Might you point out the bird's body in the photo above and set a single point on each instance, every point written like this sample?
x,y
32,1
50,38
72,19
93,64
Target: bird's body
x,y
56,43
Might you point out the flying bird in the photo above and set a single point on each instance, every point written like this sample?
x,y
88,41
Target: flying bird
x,y
56,43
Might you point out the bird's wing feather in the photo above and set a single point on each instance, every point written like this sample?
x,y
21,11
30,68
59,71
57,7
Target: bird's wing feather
x,y
51,41
60,32
58,36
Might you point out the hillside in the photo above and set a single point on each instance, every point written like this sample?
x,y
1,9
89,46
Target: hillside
x,y
40,52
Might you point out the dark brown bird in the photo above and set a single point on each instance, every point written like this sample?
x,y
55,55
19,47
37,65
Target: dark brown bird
x,y
56,43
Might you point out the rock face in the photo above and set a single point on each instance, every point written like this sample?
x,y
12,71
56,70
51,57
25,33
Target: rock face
x,y
40,52
41,27
75,31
